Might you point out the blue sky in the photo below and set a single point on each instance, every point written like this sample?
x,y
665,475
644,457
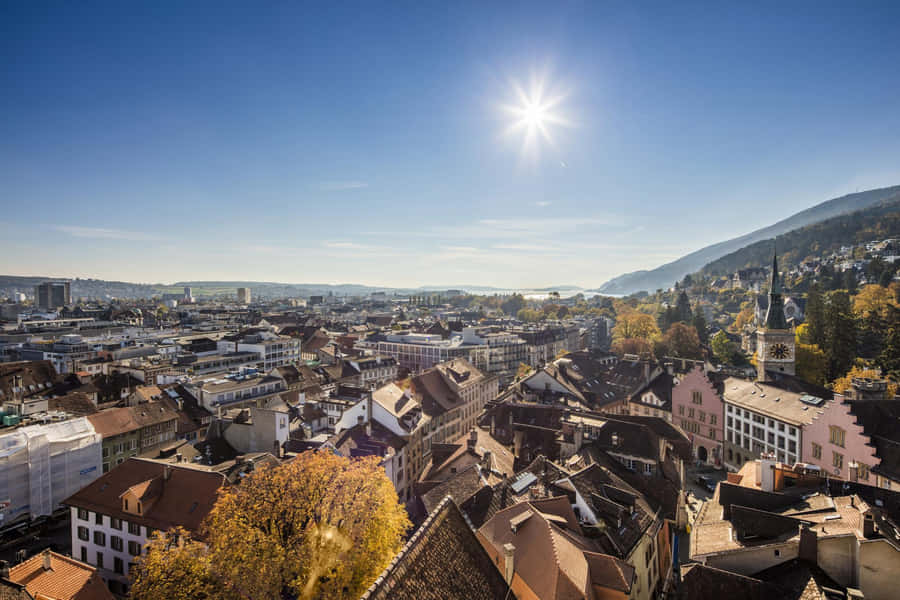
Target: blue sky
x,y
355,142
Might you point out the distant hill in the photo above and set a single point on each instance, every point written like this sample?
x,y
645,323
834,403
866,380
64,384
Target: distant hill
x,y
667,274
876,222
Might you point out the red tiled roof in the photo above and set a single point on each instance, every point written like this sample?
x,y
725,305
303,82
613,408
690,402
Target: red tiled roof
x,y
67,579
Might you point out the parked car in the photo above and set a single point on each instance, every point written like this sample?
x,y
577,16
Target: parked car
x,y
706,483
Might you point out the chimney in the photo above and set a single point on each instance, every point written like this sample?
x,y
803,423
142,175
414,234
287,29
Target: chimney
x,y
646,365
4,569
509,552
868,524
809,545
473,439
167,473
670,368
765,472
178,457
370,405
46,560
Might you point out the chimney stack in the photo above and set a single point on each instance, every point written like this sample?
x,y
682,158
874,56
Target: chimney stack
x,y
808,544
473,439
868,524
646,365
509,552
167,473
369,409
46,559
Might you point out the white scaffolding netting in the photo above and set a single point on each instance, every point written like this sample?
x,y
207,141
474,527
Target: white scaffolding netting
x,y
41,465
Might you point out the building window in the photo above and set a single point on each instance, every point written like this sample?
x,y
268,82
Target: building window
x,y
816,450
134,548
118,565
696,397
702,417
728,408
99,538
837,460
648,469
83,534
83,554
115,523
837,436
83,514
115,543
712,433
134,528
712,419
681,409
792,446
99,560
862,472
98,518
690,413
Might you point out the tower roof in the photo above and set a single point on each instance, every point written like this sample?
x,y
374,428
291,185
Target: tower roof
x,y
775,313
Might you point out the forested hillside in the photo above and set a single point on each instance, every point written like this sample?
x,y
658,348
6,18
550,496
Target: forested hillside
x,y
876,222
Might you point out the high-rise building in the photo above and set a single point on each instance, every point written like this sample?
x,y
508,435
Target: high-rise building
x,y
188,296
243,295
52,294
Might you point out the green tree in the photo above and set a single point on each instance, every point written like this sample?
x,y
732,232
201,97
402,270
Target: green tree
x,y
321,526
513,304
700,326
683,311
723,349
840,334
815,316
811,363
889,358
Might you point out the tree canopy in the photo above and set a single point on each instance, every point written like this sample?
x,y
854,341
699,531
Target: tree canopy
x,y
321,526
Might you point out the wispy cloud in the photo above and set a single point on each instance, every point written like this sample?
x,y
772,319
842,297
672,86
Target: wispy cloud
x,y
101,233
542,203
340,186
349,245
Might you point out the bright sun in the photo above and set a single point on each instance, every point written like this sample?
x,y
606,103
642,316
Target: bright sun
x,y
534,116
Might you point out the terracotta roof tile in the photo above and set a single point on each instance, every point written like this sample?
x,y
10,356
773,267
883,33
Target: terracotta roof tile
x,y
67,579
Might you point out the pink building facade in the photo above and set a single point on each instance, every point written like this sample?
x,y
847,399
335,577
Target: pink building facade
x,y
698,410
837,444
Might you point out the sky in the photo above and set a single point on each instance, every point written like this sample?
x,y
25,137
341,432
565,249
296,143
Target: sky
x,y
377,143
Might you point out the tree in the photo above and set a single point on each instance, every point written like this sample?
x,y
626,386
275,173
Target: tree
x,y
700,326
529,315
842,384
815,316
811,363
872,299
321,526
683,311
840,334
889,358
682,341
745,317
723,349
513,304
638,346
523,371
635,325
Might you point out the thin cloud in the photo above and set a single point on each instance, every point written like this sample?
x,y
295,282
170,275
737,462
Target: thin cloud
x,y
101,233
340,186
350,245
542,203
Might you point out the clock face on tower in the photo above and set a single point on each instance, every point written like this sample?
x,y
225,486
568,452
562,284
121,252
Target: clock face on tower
x,y
780,351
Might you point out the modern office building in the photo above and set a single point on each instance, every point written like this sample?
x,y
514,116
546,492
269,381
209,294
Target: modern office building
x,y
52,294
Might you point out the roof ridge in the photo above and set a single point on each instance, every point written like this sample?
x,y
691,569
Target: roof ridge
x,y
410,543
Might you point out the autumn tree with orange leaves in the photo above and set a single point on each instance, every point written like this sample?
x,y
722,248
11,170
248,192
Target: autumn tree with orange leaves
x,y
321,526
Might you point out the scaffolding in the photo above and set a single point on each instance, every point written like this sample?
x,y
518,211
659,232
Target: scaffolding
x,y
42,465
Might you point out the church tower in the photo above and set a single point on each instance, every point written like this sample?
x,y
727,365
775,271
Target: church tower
x,y
775,340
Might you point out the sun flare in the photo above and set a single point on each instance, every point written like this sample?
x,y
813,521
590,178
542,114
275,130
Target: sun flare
x,y
534,116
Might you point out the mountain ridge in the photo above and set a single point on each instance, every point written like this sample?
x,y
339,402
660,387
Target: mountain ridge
x,y
666,275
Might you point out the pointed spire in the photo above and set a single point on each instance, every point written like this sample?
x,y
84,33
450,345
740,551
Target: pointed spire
x,y
775,313
775,282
